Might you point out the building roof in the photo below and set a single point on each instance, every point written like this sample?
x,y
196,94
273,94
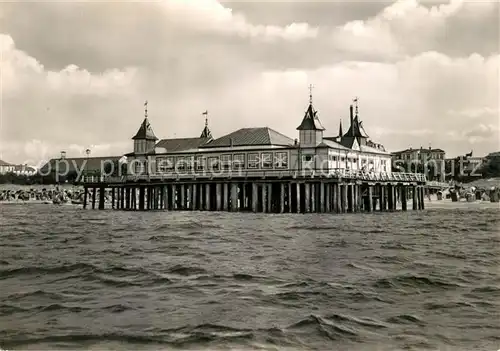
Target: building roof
x,y
76,164
367,148
182,144
311,120
3,163
329,142
421,150
251,137
356,129
145,131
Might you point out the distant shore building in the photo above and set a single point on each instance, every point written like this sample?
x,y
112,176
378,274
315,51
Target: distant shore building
x,y
415,160
24,170
6,167
68,168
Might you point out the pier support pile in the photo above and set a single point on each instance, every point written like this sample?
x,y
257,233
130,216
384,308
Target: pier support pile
x,y
266,196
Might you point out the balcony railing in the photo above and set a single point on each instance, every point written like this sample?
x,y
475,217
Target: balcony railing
x,y
273,173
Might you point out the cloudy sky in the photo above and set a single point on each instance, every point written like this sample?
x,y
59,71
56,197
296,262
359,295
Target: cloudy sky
x,y
75,75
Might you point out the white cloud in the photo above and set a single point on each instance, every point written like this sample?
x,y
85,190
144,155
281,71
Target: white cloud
x,y
475,113
405,99
210,15
404,27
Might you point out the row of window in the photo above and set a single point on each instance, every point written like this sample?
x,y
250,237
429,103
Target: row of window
x,y
415,156
264,160
352,159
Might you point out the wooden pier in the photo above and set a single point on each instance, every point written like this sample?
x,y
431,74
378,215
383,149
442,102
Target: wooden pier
x,y
346,193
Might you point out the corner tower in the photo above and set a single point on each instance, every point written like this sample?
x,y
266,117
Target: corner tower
x,y
145,139
311,129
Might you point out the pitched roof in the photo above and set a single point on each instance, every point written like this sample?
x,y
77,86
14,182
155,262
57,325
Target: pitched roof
x,y
328,142
356,129
76,164
251,137
206,132
145,131
311,120
347,141
3,163
366,148
182,144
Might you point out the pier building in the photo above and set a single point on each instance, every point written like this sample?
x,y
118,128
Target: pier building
x,y
261,170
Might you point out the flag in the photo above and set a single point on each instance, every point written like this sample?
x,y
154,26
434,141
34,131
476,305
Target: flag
x,y
205,113
469,154
146,103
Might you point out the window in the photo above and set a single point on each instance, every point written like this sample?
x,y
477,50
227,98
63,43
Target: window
x,y
189,162
213,163
342,159
181,164
281,160
225,161
200,163
238,161
139,168
266,159
253,160
164,164
307,158
335,158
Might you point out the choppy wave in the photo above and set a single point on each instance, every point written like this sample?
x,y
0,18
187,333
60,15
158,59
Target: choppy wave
x,y
73,279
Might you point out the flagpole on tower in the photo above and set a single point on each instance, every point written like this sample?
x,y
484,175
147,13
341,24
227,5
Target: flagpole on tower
x,y
205,113
356,104
146,109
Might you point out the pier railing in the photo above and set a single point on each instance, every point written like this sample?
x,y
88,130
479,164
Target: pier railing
x,y
238,174
436,184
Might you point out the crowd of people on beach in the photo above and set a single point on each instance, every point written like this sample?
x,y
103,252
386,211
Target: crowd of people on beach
x,y
50,196
472,194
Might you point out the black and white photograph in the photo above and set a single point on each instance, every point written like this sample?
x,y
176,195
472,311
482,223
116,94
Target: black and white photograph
x,y
250,175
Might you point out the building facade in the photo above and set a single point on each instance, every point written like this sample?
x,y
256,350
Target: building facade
x,y
6,167
260,151
430,161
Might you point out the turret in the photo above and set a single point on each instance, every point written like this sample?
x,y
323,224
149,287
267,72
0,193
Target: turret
x,y
310,130
144,139
205,133
356,130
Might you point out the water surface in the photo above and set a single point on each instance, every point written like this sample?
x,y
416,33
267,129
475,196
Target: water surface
x,y
73,278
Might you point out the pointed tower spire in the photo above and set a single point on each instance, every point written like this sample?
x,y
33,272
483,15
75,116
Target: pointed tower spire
x,y
340,129
145,131
206,131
